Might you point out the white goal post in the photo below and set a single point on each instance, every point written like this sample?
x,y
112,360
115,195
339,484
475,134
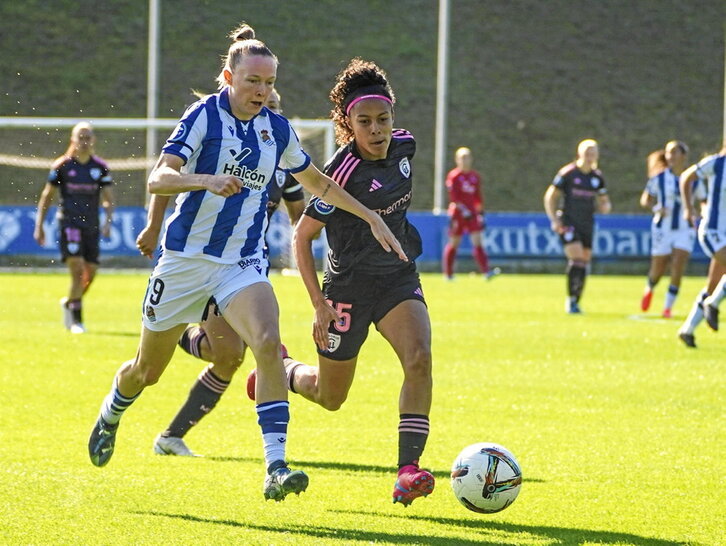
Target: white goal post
x,y
302,126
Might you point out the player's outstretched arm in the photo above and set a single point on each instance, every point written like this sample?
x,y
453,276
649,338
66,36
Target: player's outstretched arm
x,y
108,202
688,177
46,198
167,179
551,198
325,188
604,206
305,231
148,238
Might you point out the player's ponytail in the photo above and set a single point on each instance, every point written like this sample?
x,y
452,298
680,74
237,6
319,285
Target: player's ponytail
x,y
244,44
242,32
360,78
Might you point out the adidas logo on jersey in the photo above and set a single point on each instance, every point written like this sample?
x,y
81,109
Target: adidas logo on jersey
x,y
375,185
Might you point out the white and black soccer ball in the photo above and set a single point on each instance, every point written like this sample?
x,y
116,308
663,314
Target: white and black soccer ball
x,y
486,478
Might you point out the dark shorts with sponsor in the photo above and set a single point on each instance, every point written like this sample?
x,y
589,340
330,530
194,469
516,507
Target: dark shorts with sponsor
x,y
577,234
79,242
362,300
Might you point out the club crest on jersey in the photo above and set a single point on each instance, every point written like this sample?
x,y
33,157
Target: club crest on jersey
x,y
95,173
333,342
180,132
322,207
150,314
265,135
405,167
280,177
594,181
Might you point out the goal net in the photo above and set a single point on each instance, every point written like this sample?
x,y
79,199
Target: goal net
x,y
28,147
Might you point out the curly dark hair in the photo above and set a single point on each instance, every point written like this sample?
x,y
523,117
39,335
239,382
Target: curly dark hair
x,y
357,75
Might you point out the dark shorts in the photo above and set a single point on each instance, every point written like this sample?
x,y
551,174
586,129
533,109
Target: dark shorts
x,y
79,242
575,234
365,299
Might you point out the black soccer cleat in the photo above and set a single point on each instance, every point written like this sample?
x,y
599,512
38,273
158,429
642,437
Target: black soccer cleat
x,y
101,442
688,339
710,313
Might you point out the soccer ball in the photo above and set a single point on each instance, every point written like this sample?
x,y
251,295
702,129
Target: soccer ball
x,y
486,478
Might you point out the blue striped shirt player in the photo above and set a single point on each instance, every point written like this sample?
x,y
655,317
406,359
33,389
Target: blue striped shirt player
x,y
712,236
211,140
711,169
220,162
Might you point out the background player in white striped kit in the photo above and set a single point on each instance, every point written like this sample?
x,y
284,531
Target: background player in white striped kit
x,y
213,340
672,238
219,161
711,235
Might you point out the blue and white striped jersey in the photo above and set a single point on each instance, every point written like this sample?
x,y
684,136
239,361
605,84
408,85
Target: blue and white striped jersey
x,y
212,141
664,187
711,169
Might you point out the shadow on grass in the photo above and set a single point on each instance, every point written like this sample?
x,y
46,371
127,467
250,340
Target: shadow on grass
x,y
564,535
112,333
340,534
345,467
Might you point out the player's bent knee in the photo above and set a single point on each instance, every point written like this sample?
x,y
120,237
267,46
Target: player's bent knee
x,y
266,342
332,403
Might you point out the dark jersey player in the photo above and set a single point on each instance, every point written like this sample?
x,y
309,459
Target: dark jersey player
x,y
213,340
579,188
83,182
364,284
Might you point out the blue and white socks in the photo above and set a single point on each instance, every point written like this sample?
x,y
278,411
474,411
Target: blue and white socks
x,y
115,404
719,293
273,418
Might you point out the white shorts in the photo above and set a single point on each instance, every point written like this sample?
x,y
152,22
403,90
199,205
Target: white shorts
x,y
665,240
180,288
712,240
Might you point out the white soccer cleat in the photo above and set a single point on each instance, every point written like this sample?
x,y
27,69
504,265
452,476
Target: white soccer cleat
x,y
77,328
67,317
172,446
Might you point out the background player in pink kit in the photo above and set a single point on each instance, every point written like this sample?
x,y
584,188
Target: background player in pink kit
x,y
83,180
466,212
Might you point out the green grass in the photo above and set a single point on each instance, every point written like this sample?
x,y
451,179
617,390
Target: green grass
x,y
618,428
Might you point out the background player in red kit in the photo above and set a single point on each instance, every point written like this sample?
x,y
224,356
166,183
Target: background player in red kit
x,y
84,182
466,212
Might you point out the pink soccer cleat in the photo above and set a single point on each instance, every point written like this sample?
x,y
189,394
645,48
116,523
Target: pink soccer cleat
x,y
412,483
645,302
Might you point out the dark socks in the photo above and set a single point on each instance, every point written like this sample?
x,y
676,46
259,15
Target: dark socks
x,y
75,307
203,396
413,430
576,273
191,340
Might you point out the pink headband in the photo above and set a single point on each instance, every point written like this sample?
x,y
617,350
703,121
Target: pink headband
x,y
363,97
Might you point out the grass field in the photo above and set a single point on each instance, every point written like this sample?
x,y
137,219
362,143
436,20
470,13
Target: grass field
x,y
618,428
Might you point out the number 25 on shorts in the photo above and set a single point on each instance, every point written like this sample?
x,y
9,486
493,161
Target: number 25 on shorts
x,y
343,325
